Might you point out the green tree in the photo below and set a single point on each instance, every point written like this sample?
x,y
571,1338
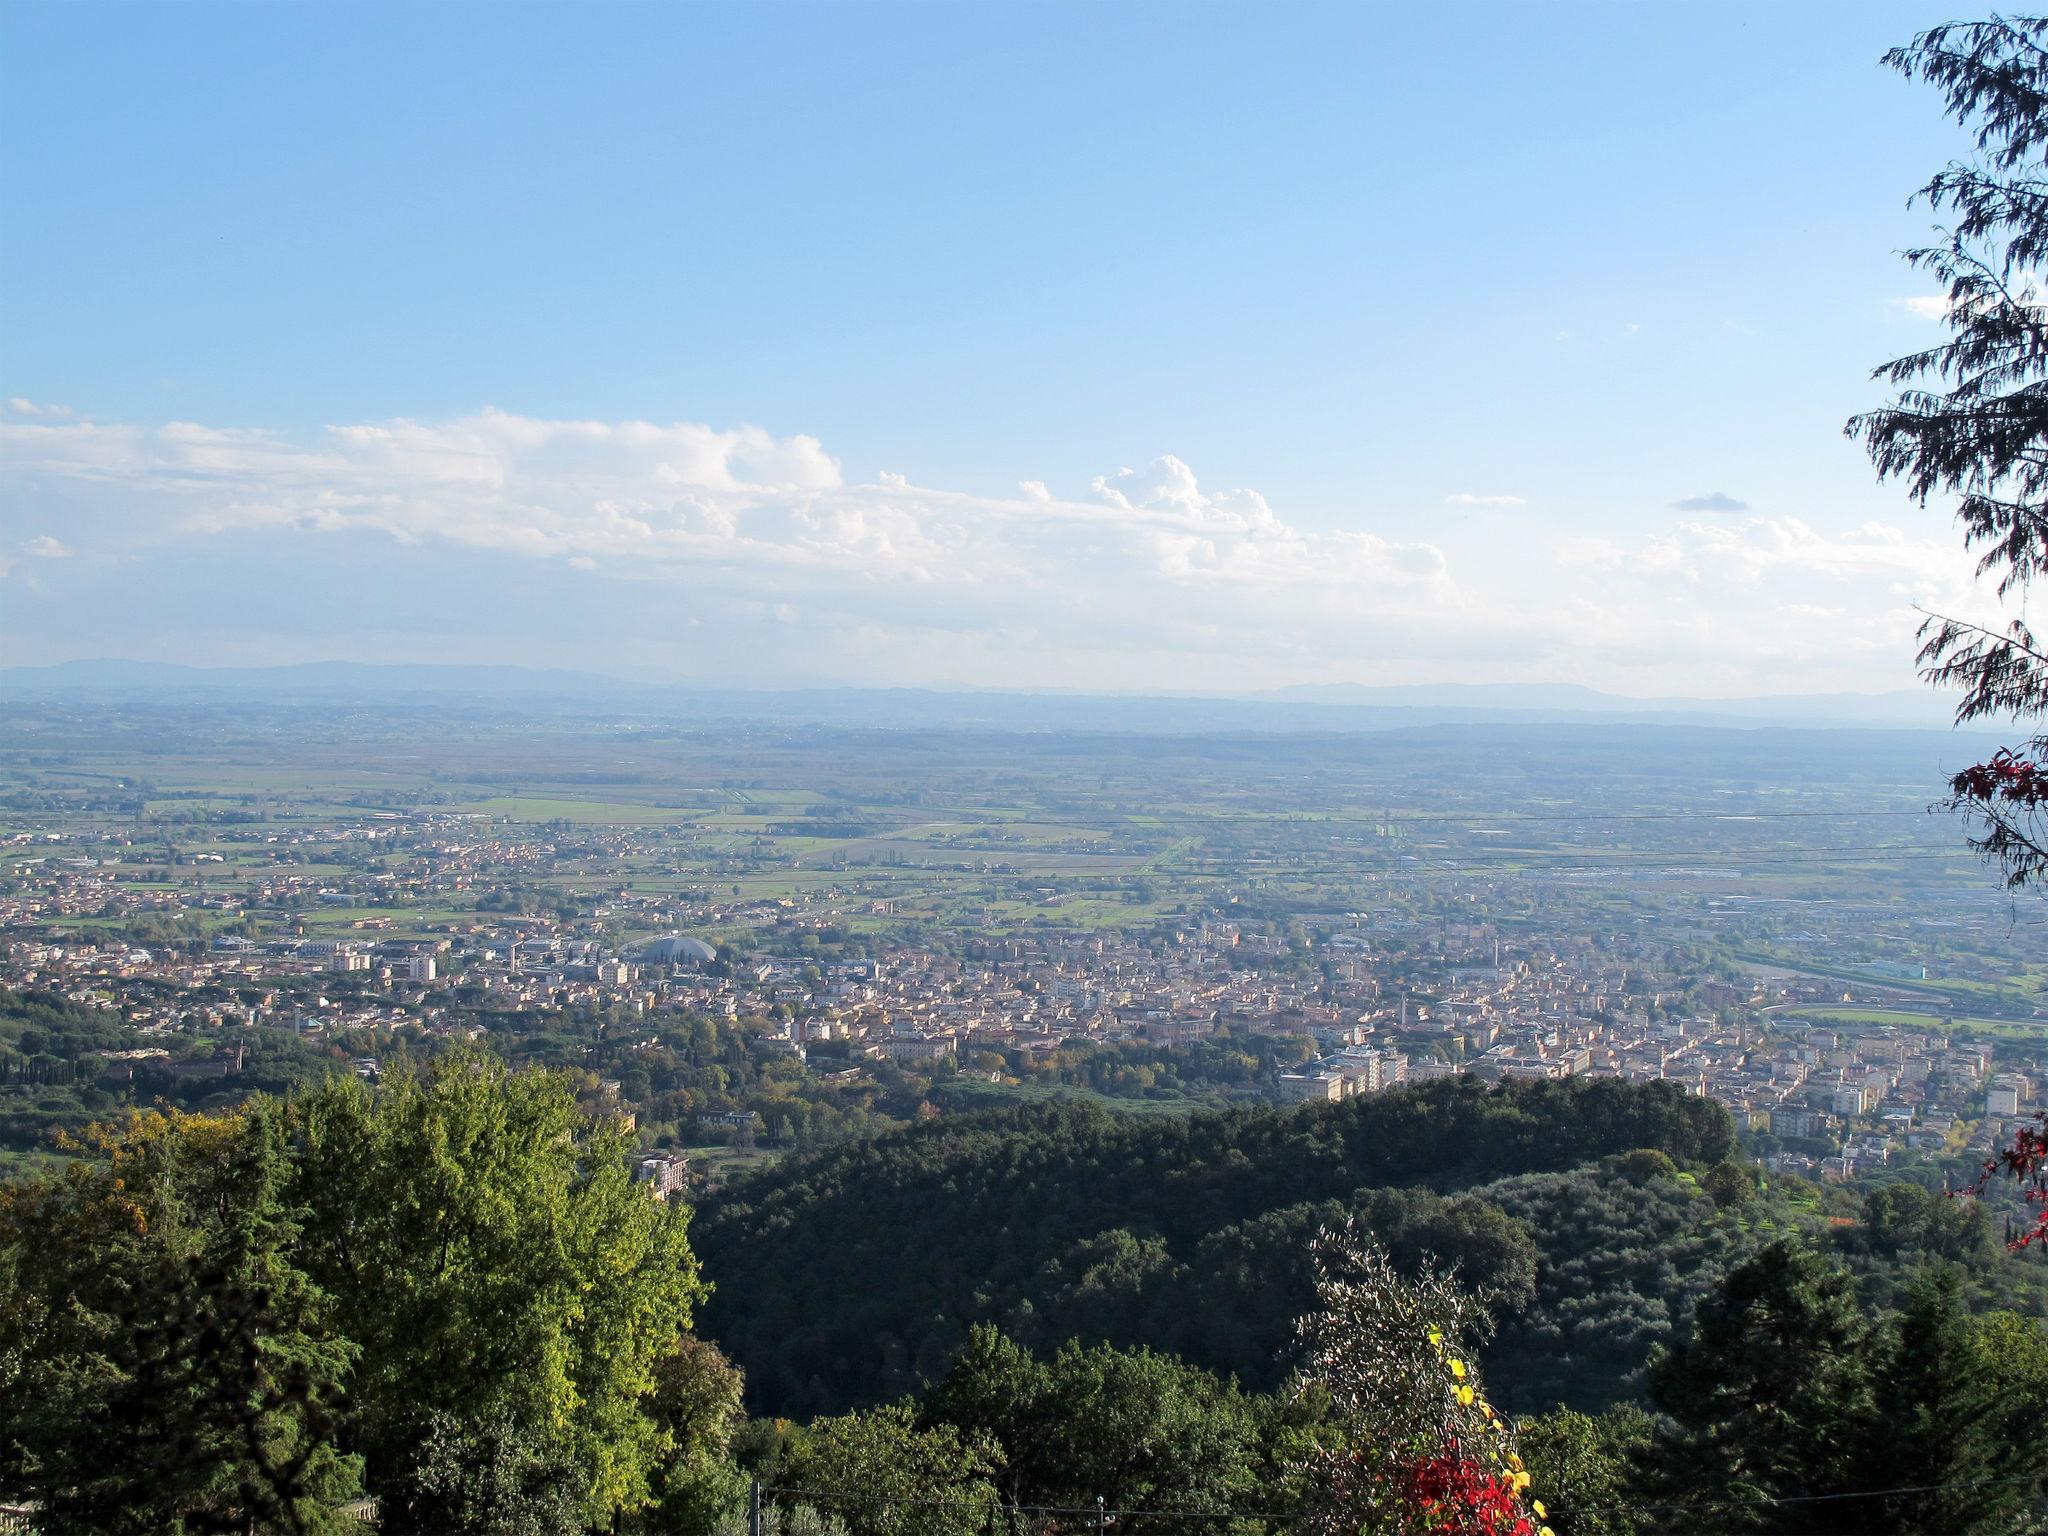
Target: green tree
x,y
1772,1398
1901,1219
1583,1468
1645,1164
1970,419
778,1520
1065,1220
1136,1429
1729,1183
164,1365
696,1402
502,1475
884,1475
1945,1391
488,1251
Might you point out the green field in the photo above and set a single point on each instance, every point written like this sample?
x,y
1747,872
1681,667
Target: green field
x,y
1902,1019
1943,989
580,812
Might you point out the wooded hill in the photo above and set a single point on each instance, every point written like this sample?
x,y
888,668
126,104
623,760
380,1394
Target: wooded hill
x,y
852,1275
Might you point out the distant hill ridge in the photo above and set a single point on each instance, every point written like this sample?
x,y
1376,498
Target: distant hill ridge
x,y
1319,707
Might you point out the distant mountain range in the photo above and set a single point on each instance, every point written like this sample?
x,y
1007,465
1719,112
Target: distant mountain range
x,y
1309,708
142,680
1903,707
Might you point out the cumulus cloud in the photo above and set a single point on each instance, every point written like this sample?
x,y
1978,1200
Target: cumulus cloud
x,y
2025,285
22,407
1767,604
41,547
1713,501
1152,577
1467,499
753,513
1766,548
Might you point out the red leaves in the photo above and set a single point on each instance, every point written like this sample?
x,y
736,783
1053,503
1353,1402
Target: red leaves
x,y
2025,1160
1458,1497
2006,778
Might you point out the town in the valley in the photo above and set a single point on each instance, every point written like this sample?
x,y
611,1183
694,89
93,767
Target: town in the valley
x,y
835,956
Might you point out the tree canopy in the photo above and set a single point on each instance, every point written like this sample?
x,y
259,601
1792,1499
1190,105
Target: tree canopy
x,y
1970,416
447,1289
1188,1235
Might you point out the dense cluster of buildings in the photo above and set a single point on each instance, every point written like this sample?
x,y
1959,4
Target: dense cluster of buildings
x,y
1374,999
1865,1095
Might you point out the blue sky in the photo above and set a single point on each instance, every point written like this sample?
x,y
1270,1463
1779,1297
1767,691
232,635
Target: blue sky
x,y
796,344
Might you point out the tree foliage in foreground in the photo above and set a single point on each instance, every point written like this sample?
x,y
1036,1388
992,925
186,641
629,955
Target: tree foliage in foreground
x,y
1970,418
1418,1447
487,1250
449,1286
165,1366
1793,1409
885,1475
1139,1430
448,1294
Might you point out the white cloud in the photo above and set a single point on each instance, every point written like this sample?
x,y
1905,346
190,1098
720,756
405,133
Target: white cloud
x,y
22,407
1154,578
1764,604
2025,285
1467,499
1760,549
43,547
1592,554
1713,501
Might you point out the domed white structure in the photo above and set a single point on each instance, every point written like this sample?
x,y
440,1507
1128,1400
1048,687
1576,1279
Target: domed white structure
x,y
675,949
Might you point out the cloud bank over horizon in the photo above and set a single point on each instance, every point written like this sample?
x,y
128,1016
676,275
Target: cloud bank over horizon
x,y
689,551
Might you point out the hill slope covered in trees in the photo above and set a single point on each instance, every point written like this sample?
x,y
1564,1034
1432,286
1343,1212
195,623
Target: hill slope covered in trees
x,y
1177,1234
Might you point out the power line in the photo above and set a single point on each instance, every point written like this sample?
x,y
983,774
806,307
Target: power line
x,y
1774,1502
1766,1502
1309,818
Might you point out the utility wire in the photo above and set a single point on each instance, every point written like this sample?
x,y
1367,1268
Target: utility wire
x,y
1406,817
1767,1502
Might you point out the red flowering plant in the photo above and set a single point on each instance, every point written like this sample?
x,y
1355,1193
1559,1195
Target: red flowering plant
x,y
1456,1495
1424,1453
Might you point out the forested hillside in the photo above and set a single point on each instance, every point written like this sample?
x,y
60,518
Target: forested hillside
x,y
1183,1235
446,1293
